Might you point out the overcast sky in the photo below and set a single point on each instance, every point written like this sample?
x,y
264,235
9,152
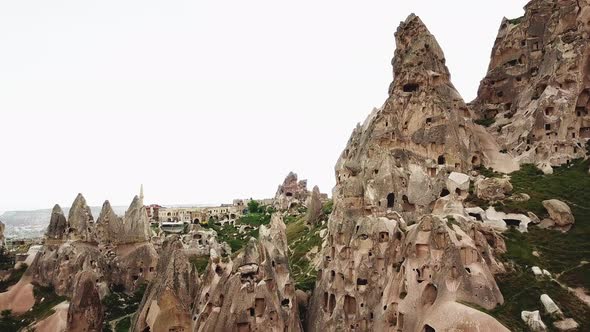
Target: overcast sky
x,y
203,101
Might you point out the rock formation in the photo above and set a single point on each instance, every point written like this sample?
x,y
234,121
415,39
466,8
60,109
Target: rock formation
x,y
537,88
200,241
2,241
379,274
116,249
58,225
291,193
314,207
167,303
559,212
254,292
85,313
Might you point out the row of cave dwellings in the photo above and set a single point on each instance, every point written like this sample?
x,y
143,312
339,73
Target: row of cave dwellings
x,y
521,66
420,252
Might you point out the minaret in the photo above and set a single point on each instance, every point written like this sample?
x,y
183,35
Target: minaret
x,y
141,194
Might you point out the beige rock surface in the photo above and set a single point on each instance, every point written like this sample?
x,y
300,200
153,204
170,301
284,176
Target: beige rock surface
x,y
559,212
19,298
56,322
254,292
537,87
493,189
85,313
168,300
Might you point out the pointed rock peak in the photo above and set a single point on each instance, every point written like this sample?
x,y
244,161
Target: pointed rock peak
x,y
79,210
291,177
418,59
57,210
135,203
316,190
106,213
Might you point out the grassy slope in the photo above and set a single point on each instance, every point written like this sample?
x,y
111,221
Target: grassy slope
x,y
559,252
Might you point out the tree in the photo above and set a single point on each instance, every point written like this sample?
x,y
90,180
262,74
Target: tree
x,y
253,206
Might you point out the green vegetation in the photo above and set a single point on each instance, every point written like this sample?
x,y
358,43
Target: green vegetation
x,y
231,235
200,263
560,253
118,304
45,300
123,325
485,122
253,206
328,207
302,239
13,278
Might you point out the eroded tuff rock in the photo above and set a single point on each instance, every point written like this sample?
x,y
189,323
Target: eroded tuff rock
x,y
493,189
85,313
167,303
377,273
116,249
254,292
314,207
538,83
401,156
559,212
291,193
58,225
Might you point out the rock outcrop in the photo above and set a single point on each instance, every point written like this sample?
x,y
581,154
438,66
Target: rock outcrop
x,y
537,89
167,303
254,292
379,274
116,249
559,212
291,193
314,207
493,189
85,313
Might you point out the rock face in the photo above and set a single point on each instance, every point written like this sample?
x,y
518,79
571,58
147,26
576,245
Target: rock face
x,y
85,312
2,241
377,273
166,305
559,212
314,207
291,193
533,320
57,228
493,189
254,292
116,249
538,84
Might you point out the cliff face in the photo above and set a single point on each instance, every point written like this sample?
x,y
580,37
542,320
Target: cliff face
x,y
377,272
116,249
537,88
168,300
254,292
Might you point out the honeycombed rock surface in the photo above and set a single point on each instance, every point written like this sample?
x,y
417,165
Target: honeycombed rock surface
x,y
85,313
167,303
291,193
378,274
116,249
538,84
253,292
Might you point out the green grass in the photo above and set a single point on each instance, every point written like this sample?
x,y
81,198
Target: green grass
x,y
14,277
301,240
124,325
560,253
200,263
230,234
119,304
485,122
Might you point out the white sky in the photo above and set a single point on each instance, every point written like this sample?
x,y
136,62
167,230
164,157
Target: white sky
x,y
203,101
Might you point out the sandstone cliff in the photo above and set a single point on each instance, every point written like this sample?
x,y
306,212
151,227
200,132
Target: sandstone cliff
x,y
537,89
167,303
379,274
254,292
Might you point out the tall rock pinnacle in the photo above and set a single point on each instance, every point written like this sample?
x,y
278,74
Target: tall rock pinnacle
x,y
376,270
